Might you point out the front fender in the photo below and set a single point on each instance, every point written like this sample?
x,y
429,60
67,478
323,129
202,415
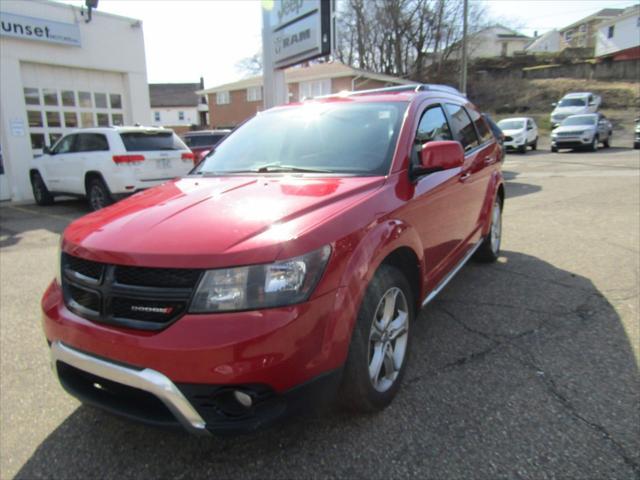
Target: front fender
x,y
371,249
495,183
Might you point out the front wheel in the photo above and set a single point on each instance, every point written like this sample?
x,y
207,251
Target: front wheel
x,y
40,191
522,148
594,144
489,250
380,343
607,142
534,145
554,149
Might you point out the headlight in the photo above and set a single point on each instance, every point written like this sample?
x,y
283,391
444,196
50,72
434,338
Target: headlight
x,y
260,286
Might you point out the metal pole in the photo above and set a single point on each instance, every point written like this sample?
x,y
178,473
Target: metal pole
x,y
463,70
274,85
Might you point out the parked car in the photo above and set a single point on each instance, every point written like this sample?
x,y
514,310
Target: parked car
x,y
288,266
580,131
520,133
636,138
497,133
574,104
107,163
202,142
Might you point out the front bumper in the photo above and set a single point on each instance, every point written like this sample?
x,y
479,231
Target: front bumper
x,y
186,373
571,142
513,144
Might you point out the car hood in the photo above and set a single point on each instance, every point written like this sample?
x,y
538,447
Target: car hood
x,y
566,111
512,133
573,128
213,222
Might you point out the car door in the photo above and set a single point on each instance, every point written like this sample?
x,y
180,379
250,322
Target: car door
x,y
434,208
603,128
55,166
92,150
480,153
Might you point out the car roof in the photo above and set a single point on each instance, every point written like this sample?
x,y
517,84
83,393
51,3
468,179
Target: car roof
x,y
516,118
584,115
206,132
577,94
120,129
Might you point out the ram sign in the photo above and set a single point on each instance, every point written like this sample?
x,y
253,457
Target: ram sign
x,y
300,30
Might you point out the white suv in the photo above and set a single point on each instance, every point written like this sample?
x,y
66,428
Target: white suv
x,y
106,163
519,133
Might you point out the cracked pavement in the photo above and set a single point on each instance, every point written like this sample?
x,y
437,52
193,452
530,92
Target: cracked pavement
x,y
527,368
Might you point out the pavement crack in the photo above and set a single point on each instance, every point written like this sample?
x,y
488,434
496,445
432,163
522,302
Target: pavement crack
x,y
553,390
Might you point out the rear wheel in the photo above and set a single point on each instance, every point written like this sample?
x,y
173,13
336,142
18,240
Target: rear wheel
x,y
380,343
489,250
40,191
98,194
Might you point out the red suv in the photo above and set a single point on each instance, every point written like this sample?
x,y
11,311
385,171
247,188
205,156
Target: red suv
x,y
288,266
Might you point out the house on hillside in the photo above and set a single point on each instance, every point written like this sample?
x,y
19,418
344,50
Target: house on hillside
x,y
232,103
550,42
178,106
582,34
619,37
494,41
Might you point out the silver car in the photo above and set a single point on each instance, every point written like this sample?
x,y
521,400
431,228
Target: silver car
x,y
582,131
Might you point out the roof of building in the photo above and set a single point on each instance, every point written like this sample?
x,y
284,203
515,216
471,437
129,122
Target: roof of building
x,y
316,71
174,94
631,11
605,13
542,39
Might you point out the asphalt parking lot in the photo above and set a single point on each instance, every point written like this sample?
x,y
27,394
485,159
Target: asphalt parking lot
x,y
527,368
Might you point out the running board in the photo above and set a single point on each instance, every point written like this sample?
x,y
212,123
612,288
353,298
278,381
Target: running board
x,y
447,279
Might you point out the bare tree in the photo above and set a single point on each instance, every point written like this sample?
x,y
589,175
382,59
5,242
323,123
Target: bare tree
x,y
250,66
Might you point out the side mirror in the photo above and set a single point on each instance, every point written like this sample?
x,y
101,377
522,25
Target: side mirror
x,y
46,150
554,104
441,155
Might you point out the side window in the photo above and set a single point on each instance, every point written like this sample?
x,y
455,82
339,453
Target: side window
x,y
462,126
481,125
433,126
91,142
66,145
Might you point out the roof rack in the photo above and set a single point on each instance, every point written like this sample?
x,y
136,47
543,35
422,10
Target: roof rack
x,y
417,87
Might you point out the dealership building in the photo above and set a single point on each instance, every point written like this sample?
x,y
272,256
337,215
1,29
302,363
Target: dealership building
x,y
63,67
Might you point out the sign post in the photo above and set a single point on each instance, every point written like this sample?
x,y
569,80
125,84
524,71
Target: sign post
x,y
293,31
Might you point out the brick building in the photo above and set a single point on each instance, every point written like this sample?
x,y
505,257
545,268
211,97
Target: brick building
x,y
232,103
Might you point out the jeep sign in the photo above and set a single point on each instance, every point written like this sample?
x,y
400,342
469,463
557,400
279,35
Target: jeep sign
x,y
300,30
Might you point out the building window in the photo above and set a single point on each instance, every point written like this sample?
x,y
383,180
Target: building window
x,y
568,35
315,88
583,28
70,119
222,98
35,118
31,96
53,138
101,100
254,94
115,99
50,96
117,119
180,115
86,118
37,141
84,99
103,119
611,31
156,116
68,98
53,119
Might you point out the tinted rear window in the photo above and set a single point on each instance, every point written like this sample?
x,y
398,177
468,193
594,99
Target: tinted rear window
x,y
145,141
203,140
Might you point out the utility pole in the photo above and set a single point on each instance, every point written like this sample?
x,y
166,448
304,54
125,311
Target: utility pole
x,y
463,70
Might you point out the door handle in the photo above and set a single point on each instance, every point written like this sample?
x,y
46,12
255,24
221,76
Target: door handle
x,y
489,160
465,176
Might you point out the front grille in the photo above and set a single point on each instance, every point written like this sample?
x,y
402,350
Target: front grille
x,y
133,297
508,138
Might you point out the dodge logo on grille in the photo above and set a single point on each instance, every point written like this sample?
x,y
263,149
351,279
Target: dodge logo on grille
x,y
163,310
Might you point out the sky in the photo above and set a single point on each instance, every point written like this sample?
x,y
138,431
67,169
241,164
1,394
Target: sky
x,y
187,39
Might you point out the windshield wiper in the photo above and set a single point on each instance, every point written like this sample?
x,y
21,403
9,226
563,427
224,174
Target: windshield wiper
x,y
274,167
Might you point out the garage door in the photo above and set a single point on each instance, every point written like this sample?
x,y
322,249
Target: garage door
x,y
60,99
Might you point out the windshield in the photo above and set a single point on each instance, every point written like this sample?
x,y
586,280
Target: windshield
x,y
511,124
345,137
154,140
572,102
579,120
203,140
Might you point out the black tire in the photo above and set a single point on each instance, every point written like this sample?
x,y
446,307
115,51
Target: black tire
x,y
607,142
489,249
40,191
636,145
357,391
98,194
522,149
594,145
554,149
534,145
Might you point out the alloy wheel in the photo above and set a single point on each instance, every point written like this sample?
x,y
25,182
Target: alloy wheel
x,y
388,339
496,228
